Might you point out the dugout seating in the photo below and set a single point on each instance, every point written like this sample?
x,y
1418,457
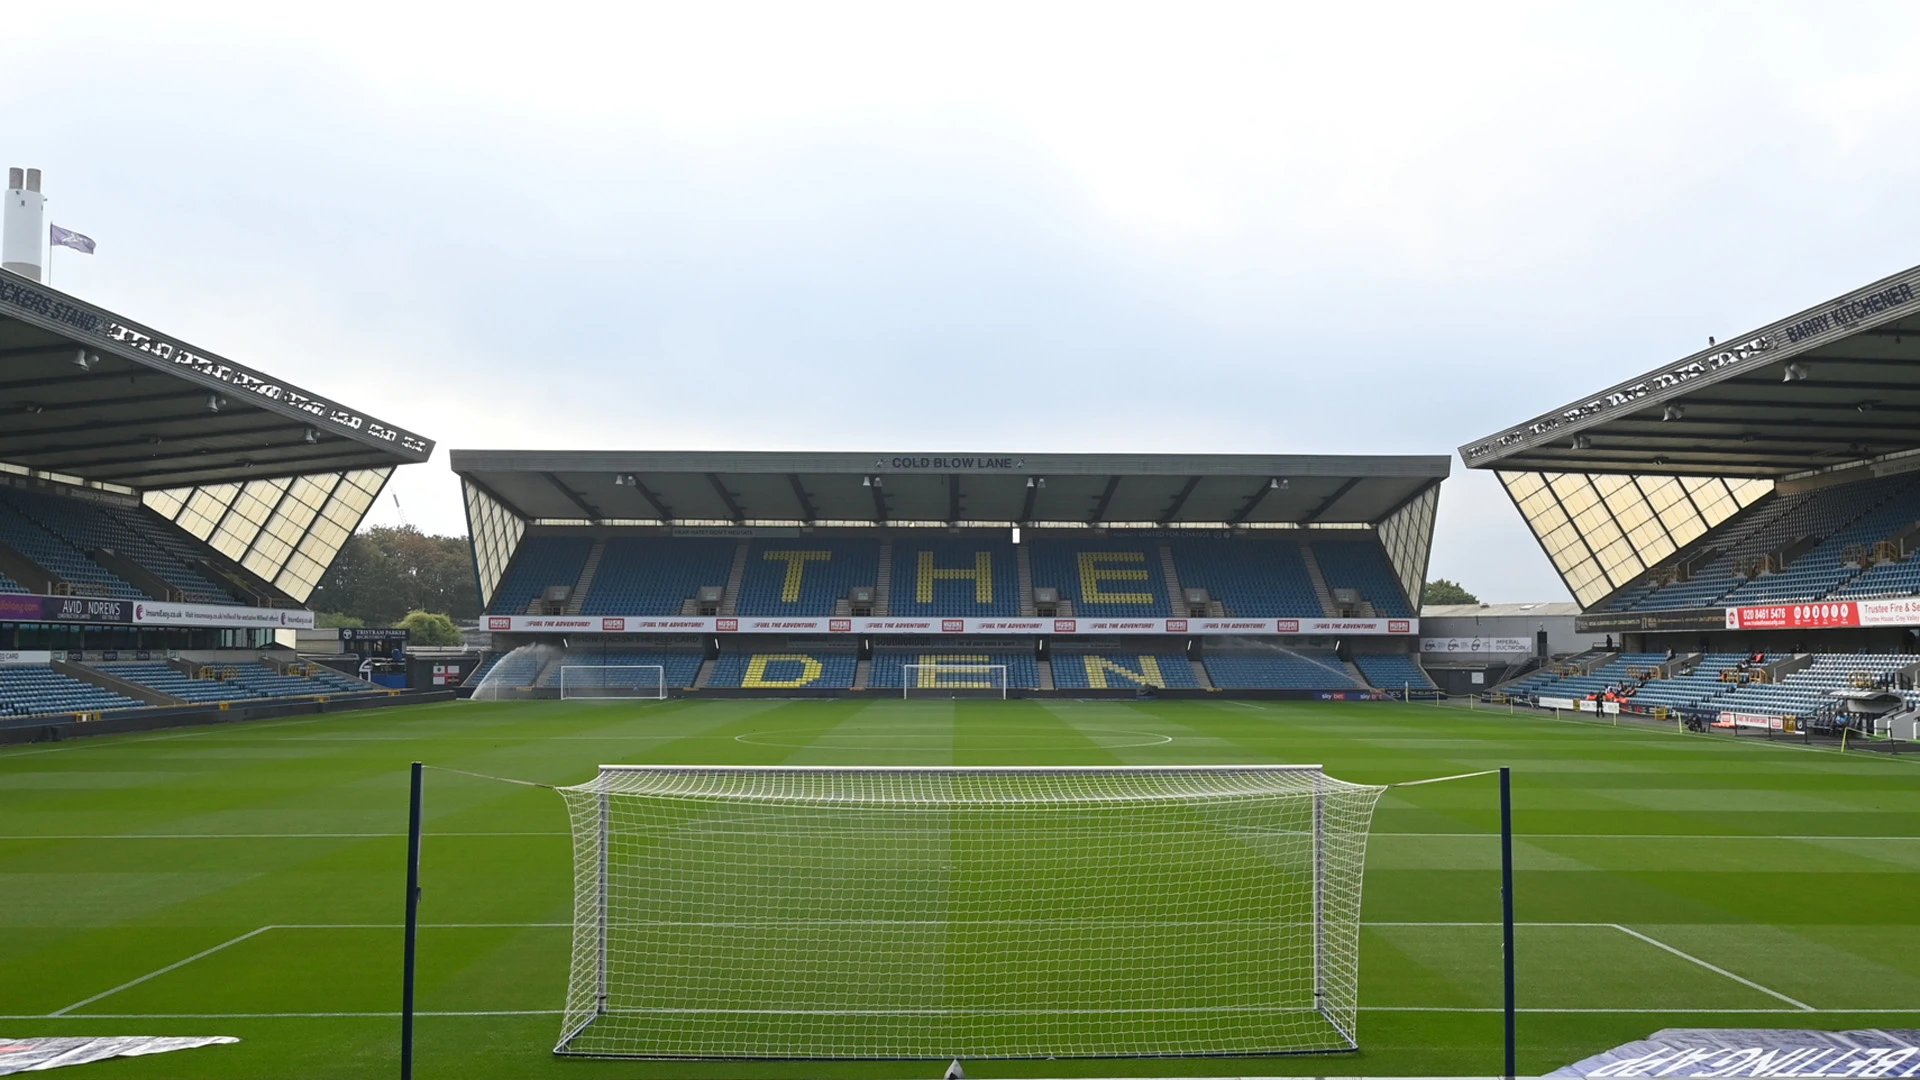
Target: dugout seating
x,y
952,580
653,575
37,689
678,668
1103,576
539,562
784,670
805,575
889,667
1122,671
1252,577
1392,671
130,533
1299,670
1357,561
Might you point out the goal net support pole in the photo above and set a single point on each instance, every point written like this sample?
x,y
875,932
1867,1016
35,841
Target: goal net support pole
x,y
898,912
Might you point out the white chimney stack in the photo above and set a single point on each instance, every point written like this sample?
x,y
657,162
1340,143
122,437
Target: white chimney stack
x,y
25,228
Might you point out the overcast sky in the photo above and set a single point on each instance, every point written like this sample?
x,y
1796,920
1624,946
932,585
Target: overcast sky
x,y
1359,228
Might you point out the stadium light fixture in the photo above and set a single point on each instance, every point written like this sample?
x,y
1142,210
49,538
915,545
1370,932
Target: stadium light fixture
x,y
1276,483
30,407
1581,442
625,480
1674,412
215,402
310,437
1036,481
1796,372
85,360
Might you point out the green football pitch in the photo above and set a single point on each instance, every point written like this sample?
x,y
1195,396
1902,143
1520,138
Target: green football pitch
x,y
247,880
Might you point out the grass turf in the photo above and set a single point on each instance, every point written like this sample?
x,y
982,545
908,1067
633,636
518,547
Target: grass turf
x,y
246,880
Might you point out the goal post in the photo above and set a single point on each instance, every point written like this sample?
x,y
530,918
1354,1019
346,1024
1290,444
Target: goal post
x,y
613,682
949,679
990,912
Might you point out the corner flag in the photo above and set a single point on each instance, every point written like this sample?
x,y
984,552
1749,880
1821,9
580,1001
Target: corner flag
x,y
68,238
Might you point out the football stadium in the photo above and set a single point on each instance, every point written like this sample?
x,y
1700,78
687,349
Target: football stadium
x,y
877,763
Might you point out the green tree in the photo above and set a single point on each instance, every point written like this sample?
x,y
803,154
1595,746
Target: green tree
x,y
334,620
430,628
1442,591
384,572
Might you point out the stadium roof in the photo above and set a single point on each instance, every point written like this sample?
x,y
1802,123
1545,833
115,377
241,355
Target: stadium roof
x,y
904,489
90,394
1618,483
1831,385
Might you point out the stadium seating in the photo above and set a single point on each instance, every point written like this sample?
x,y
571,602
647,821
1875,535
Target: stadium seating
x,y
158,675
1809,691
233,681
87,577
1278,671
1356,561
678,668
653,575
952,586
1694,686
1838,517
86,526
1252,577
1103,576
805,575
889,668
784,670
1121,671
36,689
1392,671
539,562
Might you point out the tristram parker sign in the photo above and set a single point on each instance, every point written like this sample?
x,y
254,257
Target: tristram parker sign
x,y
842,624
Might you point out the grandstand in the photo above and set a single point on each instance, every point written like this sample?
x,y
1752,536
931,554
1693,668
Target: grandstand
x,y
822,572
164,514
1745,519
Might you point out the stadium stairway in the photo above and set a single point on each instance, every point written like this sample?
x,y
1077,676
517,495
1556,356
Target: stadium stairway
x,y
1200,674
1023,568
1045,669
584,583
705,677
863,674
730,600
1319,579
883,588
1176,597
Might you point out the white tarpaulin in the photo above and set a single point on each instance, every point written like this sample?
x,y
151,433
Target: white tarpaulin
x,y
1690,1052
38,1055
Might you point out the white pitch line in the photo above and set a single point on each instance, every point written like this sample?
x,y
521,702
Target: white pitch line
x,y
1377,835
561,1012
1801,1005
261,836
156,974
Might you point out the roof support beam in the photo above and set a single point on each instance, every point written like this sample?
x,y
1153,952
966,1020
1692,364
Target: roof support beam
x,y
726,498
1179,500
653,499
1326,504
1402,504
879,501
593,512
1253,502
37,446
1106,497
807,511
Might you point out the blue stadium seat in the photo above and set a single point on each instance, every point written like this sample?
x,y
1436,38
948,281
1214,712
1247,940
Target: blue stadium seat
x,y
131,533
1357,561
540,561
889,667
1392,671
977,577
805,575
55,554
37,689
678,667
1103,576
1278,671
784,670
1121,671
653,575
1252,577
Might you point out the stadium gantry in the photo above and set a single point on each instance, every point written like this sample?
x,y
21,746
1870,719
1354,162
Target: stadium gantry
x,y
1744,519
164,513
836,572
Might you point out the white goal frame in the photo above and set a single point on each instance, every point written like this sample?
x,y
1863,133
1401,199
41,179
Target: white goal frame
x,y
910,681
811,912
582,688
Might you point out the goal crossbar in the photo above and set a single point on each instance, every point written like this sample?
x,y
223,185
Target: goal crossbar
x,y
613,682
954,911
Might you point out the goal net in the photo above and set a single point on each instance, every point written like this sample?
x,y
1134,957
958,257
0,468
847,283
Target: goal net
x,y
794,912
953,680
618,682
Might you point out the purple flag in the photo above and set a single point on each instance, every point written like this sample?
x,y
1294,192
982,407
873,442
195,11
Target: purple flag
x,y
69,238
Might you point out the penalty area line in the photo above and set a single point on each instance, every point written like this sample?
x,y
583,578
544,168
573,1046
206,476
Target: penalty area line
x,y
1716,969
176,965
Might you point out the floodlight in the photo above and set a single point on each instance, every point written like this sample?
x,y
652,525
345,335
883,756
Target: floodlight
x,y
1674,412
310,437
1795,372
215,402
1581,442
85,360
